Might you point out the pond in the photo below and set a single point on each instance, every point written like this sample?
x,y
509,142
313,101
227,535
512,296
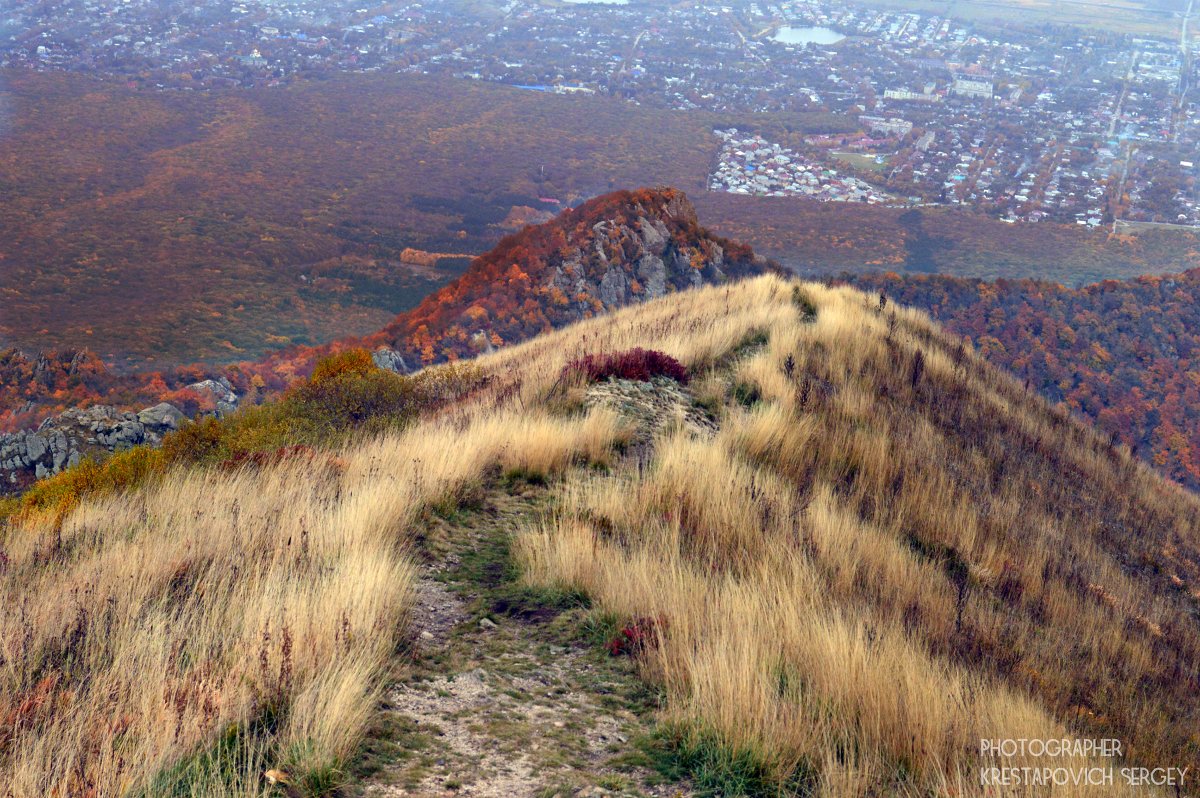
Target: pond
x,y
790,35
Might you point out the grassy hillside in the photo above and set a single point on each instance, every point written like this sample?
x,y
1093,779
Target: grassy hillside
x,y
840,549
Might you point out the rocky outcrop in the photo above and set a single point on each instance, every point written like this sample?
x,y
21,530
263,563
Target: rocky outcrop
x,y
638,259
222,393
65,439
98,431
389,359
615,250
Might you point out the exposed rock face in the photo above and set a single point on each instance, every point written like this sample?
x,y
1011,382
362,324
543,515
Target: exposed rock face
x,y
221,391
650,272
65,439
643,258
615,250
387,358
163,415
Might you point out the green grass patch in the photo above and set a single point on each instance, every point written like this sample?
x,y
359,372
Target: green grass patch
x,y
678,752
564,790
235,763
394,739
231,765
746,394
519,475
754,340
801,299
710,406
599,627
864,161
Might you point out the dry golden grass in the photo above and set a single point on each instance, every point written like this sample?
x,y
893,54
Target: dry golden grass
x,y
269,601
887,551
894,553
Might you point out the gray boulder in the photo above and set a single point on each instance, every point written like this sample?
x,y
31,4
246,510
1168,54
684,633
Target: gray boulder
x,y
222,393
162,417
389,359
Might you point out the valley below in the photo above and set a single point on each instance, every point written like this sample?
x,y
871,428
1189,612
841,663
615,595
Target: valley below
x,y
163,228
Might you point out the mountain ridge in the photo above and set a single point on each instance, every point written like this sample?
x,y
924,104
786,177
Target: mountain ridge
x,y
617,249
839,547
614,250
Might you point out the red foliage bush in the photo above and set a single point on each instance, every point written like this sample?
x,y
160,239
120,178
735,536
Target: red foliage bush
x,y
637,637
632,364
24,710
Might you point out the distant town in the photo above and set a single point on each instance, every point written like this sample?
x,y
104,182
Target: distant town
x,y
1055,123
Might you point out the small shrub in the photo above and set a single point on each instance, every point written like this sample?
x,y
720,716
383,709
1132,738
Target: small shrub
x,y
347,389
747,394
918,368
200,441
632,364
678,751
636,637
54,497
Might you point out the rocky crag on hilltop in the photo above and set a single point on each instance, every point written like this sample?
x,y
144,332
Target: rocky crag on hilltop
x,y
615,250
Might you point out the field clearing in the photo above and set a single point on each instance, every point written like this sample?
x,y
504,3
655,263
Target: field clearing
x,y
862,161
1121,16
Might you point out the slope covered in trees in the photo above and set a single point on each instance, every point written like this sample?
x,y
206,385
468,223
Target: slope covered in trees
x,y
1123,353
618,249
